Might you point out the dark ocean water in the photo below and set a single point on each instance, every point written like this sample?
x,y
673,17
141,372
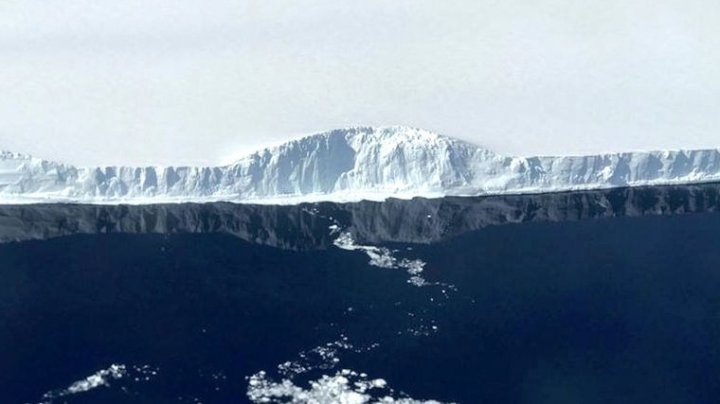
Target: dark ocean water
x,y
604,296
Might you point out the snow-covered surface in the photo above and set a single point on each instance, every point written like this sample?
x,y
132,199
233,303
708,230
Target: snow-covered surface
x,y
350,165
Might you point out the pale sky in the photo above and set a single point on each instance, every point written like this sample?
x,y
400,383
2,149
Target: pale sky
x,y
201,81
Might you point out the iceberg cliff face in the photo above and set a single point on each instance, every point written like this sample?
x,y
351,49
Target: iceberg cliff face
x,y
352,164
299,227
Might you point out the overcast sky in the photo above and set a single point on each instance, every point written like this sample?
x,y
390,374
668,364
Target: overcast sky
x,y
198,81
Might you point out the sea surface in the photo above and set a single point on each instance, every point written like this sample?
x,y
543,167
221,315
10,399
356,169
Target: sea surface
x,y
584,297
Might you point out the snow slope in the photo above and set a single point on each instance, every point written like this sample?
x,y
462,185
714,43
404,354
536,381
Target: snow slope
x,y
351,164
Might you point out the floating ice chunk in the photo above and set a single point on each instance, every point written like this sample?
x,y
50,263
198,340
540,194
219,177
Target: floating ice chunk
x,y
344,387
98,379
383,257
102,378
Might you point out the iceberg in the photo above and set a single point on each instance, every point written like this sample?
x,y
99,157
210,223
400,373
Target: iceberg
x,y
352,164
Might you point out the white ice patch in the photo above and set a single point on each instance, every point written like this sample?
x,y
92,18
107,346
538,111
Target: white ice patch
x,y
98,379
323,357
379,256
101,378
383,257
344,387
